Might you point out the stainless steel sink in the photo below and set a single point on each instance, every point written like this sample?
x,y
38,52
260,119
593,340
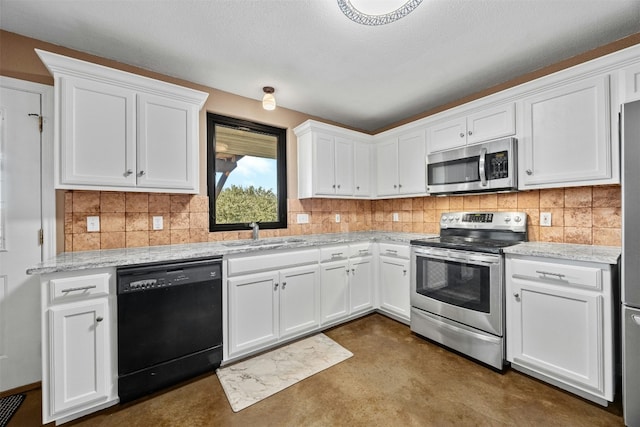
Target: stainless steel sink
x,y
261,243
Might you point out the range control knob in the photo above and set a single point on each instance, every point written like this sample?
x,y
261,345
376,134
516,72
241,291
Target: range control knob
x,y
517,219
450,219
507,219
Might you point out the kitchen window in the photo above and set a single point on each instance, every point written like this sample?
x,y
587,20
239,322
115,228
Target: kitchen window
x,y
246,174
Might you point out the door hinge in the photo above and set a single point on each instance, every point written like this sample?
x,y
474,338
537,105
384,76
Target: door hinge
x,y
40,120
41,236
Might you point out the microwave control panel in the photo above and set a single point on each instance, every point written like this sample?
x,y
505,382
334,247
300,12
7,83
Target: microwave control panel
x,y
498,165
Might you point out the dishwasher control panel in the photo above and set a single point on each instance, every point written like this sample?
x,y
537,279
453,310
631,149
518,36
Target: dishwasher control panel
x,y
157,276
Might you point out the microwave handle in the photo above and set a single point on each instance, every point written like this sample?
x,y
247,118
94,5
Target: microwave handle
x,y
482,166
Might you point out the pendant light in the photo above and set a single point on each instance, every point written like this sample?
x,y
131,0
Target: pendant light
x,y
268,100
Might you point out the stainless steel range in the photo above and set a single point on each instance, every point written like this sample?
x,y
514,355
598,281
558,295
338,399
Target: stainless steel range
x,y
457,282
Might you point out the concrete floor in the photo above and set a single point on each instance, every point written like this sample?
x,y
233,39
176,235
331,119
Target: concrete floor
x,y
395,378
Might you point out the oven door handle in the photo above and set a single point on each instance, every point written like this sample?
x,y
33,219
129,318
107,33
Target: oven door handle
x,y
474,259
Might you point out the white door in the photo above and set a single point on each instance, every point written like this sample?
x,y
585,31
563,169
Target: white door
x,y
412,163
21,222
298,300
344,167
324,156
387,167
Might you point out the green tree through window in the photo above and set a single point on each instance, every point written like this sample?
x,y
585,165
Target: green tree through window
x,y
246,174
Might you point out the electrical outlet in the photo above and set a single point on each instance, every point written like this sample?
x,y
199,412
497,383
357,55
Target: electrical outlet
x,y
93,223
337,217
158,223
396,217
545,219
302,218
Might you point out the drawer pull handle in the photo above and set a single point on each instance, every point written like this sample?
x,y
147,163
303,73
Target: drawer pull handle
x,y
392,251
99,319
547,273
82,288
337,254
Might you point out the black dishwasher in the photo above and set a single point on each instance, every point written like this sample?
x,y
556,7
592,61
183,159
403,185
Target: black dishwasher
x,y
169,324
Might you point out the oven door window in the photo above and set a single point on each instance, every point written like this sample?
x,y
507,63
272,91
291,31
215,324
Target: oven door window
x,y
454,171
459,284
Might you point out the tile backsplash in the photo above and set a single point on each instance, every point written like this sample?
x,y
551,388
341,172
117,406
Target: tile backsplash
x,y
587,215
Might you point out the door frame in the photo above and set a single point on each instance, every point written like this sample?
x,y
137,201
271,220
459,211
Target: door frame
x,y
47,192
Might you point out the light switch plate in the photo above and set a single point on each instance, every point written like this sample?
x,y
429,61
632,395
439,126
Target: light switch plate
x,y
302,218
93,224
158,223
545,219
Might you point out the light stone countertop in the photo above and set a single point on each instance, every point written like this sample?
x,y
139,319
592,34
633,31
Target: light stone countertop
x,y
74,261
588,253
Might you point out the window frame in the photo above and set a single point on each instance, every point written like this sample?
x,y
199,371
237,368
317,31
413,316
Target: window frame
x,y
281,162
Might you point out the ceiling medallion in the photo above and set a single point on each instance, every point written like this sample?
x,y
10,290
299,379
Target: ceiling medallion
x,y
362,18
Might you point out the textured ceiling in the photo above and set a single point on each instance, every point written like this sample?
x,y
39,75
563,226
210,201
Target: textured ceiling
x,y
320,62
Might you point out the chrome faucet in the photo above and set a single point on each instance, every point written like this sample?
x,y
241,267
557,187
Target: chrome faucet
x,y
256,230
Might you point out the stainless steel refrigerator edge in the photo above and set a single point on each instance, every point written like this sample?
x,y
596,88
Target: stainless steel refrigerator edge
x,y
630,294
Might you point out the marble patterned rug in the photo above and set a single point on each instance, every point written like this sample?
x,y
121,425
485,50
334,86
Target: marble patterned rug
x,y
254,379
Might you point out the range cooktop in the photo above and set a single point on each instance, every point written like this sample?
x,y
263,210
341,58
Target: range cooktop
x,y
488,232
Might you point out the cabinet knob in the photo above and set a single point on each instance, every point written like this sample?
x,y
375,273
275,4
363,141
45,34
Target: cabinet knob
x,y
404,272
461,134
470,132
395,186
275,287
529,172
357,187
516,295
338,185
353,271
334,186
284,284
399,185
141,173
99,319
128,172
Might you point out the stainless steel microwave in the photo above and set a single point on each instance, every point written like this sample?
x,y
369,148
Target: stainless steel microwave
x,y
487,167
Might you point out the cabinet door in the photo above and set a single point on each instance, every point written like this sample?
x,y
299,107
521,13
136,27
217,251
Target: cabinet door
x,y
567,138
412,164
491,123
97,134
167,144
394,286
324,156
387,167
361,284
80,353
449,134
362,169
631,82
344,166
557,332
299,304
334,291
253,311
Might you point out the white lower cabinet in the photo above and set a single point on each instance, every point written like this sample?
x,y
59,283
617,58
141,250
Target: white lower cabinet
x,y
335,290
360,284
267,307
79,344
79,351
560,324
394,283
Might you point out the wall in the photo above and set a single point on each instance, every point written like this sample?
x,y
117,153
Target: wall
x,y
586,215
589,215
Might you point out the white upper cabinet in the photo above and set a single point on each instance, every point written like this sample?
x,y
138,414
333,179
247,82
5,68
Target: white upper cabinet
x,y
400,165
332,162
631,83
567,136
489,123
119,131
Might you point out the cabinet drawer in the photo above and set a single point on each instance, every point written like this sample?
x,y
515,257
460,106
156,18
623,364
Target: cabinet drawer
x,y
359,249
271,261
564,274
69,288
388,249
334,253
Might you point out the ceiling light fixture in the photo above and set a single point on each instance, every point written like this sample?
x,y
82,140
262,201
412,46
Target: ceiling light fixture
x,y
268,100
355,15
